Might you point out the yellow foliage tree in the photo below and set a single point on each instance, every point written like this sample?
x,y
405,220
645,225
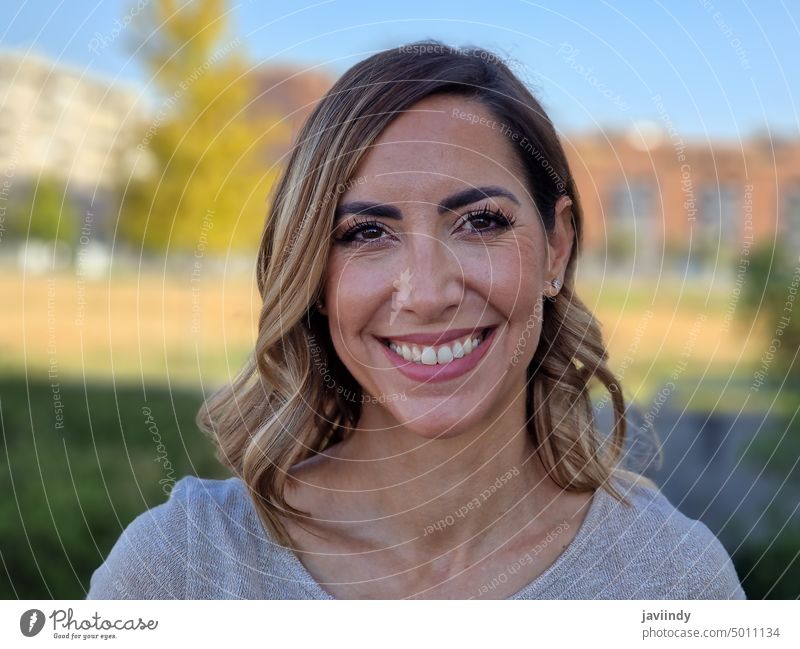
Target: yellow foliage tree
x,y
203,182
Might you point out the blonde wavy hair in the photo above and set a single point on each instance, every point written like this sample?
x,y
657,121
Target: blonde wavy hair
x,y
294,398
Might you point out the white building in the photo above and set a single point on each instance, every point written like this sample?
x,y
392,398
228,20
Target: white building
x,y
60,121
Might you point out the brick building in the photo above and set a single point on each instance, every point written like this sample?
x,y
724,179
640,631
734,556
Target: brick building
x,y
646,193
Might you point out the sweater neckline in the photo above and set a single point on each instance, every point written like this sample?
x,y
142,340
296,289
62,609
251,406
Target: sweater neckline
x,y
538,584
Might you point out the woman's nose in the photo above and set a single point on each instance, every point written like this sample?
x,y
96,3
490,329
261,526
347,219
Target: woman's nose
x,y
432,280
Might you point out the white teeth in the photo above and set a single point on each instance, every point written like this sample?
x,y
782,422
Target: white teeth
x,y
440,355
428,356
444,355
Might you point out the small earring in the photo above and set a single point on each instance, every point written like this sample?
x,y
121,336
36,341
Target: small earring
x,y
556,284
319,305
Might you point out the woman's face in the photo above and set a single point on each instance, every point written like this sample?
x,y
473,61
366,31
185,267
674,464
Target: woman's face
x,y
438,244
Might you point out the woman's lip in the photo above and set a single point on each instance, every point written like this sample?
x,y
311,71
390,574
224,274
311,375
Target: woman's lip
x,y
439,338
436,373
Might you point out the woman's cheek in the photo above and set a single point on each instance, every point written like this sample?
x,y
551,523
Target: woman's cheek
x,y
508,281
356,294
350,277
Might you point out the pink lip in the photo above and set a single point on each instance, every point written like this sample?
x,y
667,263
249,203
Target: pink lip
x,y
434,338
436,373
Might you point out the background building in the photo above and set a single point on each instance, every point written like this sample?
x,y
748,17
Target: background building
x,y
56,120
647,195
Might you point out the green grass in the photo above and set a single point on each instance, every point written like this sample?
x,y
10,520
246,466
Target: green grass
x,y
69,492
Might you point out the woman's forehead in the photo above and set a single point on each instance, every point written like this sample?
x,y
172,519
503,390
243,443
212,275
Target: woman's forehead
x,y
444,119
435,144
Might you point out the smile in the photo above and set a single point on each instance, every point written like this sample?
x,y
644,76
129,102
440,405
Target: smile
x,y
426,362
438,354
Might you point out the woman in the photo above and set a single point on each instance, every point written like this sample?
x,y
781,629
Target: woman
x,y
414,421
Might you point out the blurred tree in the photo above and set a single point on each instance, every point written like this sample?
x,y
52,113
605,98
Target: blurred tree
x,y
44,212
199,181
772,294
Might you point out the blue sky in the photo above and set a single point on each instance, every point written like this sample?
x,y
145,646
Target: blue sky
x,y
722,69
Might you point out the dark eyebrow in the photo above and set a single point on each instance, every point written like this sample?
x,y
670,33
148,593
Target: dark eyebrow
x,y
459,199
473,195
365,207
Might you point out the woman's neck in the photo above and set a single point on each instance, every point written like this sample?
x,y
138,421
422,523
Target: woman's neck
x,y
388,485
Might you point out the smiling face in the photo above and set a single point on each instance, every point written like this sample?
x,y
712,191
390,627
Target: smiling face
x,y
437,269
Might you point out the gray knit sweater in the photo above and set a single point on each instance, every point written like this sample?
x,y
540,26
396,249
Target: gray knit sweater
x,y
207,542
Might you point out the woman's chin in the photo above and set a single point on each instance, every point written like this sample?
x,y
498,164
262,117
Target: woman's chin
x,y
431,423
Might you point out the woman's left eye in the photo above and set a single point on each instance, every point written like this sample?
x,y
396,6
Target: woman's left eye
x,y
487,220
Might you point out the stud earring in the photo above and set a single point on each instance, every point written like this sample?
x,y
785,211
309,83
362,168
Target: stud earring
x,y
555,283
318,304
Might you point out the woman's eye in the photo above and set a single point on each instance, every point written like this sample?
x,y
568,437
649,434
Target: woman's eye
x,y
486,220
479,222
363,233
371,233
368,234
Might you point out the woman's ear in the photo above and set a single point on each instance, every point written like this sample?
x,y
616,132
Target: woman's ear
x,y
559,243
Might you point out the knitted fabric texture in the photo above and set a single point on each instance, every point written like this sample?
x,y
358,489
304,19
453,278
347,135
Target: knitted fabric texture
x,y
207,542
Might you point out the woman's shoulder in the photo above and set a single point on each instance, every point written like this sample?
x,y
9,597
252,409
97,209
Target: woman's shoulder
x,y
150,559
211,496
673,553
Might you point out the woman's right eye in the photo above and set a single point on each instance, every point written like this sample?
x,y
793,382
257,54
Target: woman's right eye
x,y
363,232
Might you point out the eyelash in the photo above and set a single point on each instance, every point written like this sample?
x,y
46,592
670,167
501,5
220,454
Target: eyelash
x,y
501,220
